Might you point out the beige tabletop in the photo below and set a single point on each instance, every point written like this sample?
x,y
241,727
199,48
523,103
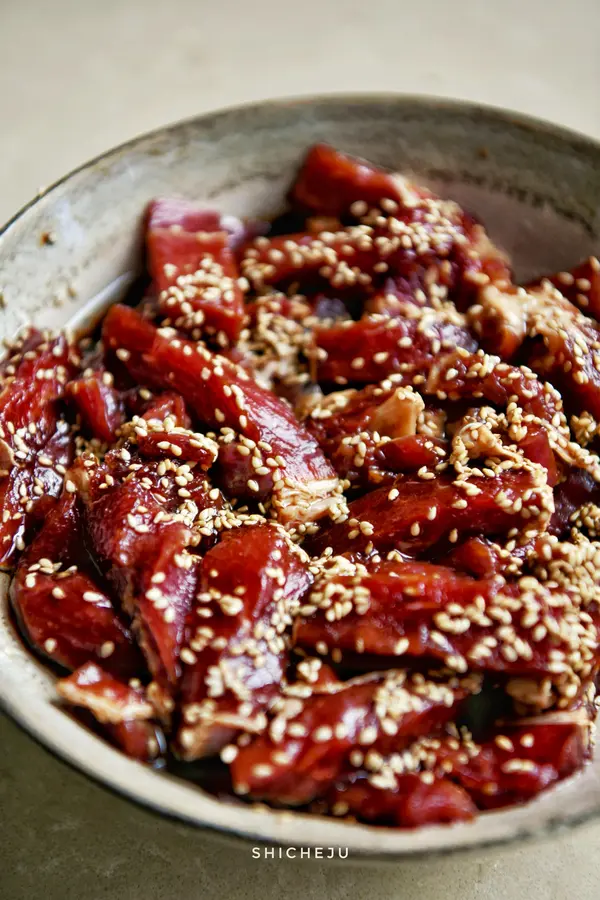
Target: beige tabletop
x,y
77,77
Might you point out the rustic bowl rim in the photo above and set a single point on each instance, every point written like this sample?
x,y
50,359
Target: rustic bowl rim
x,y
311,826
427,101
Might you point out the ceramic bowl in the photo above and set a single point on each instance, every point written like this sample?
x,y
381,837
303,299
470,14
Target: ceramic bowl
x,y
536,186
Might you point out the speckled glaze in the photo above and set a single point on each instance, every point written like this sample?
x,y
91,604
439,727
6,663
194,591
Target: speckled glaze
x,y
73,249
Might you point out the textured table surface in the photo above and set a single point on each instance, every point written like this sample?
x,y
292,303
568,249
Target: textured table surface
x,y
78,77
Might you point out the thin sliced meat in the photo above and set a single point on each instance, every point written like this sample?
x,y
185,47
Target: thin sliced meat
x,y
367,351
221,393
62,609
236,651
300,758
32,435
331,183
415,515
194,270
143,547
423,610
121,709
581,285
98,403
403,801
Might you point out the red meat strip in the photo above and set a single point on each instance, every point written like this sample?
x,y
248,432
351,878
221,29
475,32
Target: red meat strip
x,y
32,436
63,611
420,609
406,801
305,752
123,710
366,351
143,547
194,270
220,393
331,183
98,403
236,649
415,515
581,286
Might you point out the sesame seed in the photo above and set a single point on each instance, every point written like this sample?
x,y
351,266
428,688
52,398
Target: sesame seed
x,y
322,734
92,596
229,753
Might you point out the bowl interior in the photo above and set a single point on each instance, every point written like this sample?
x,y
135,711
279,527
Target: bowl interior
x,y
74,250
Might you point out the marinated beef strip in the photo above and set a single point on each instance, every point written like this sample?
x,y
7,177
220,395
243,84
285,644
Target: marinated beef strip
x,y
558,341
163,432
33,435
331,183
370,434
406,609
367,351
122,710
310,743
99,404
403,801
222,395
581,286
144,542
418,514
449,777
236,649
194,270
65,614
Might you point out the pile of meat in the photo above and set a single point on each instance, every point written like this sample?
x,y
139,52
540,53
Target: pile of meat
x,y
323,506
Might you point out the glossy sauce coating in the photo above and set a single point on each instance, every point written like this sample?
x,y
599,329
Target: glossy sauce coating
x,y
319,515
